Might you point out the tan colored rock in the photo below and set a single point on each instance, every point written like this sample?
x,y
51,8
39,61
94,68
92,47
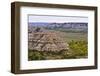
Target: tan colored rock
x,y
45,40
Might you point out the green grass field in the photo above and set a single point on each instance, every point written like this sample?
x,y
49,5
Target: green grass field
x,y
75,36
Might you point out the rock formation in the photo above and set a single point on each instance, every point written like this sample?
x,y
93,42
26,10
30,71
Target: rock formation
x,y
41,39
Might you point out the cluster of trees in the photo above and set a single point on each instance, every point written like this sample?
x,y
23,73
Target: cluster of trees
x,y
78,49
35,55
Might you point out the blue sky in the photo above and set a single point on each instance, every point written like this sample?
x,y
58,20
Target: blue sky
x,y
58,19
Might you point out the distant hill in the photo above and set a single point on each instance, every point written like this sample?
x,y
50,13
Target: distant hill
x,y
65,26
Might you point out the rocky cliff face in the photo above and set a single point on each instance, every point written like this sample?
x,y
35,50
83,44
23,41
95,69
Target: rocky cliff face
x,y
71,25
41,39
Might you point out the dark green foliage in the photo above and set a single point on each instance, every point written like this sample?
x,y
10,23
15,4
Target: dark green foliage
x,y
78,48
35,55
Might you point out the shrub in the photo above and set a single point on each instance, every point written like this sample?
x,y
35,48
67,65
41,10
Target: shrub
x,y
35,55
78,48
